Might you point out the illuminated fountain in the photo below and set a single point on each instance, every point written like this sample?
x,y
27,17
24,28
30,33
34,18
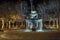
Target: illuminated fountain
x,y
34,23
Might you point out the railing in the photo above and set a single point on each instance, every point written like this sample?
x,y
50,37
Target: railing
x,y
11,25
54,24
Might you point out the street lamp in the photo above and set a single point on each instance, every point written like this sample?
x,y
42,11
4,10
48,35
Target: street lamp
x,y
31,4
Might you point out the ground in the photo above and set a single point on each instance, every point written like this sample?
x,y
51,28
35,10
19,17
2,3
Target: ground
x,y
12,35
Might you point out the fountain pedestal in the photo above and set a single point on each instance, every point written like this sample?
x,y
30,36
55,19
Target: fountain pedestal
x,y
37,25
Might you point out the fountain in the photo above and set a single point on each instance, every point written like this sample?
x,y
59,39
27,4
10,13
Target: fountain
x,y
34,23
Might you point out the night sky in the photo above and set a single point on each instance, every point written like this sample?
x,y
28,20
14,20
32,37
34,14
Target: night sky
x,y
46,7
28,1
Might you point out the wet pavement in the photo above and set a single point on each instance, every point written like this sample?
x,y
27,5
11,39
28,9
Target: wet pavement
x,y
16,35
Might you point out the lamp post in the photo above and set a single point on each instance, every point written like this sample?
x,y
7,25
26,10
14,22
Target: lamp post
x,y
31,4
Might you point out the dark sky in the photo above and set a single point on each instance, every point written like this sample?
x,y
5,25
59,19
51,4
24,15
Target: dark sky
x,y
14,1
28,1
